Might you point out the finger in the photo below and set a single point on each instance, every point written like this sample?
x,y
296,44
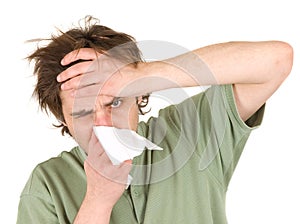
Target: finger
x,y
88,91
128,161
95,89
81,82
82,53
71,84
95,148
126,166
100,162
75,70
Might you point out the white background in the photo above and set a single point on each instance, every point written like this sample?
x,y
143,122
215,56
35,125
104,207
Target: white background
x,y
265,186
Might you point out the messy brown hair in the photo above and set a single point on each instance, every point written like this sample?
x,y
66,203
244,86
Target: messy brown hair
x,y
47,60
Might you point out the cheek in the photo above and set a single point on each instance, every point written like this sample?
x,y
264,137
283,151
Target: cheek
x,y
134,117
125,117
80,129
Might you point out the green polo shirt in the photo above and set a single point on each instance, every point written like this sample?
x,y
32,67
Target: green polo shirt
x,y
202,139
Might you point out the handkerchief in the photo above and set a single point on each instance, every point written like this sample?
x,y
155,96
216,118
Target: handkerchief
x,y
122,144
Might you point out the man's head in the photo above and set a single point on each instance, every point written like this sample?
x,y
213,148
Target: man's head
x,y
48,60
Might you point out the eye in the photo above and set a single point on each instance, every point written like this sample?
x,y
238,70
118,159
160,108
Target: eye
x,y
116,103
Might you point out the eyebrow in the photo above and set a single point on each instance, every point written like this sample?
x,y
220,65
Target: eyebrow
x,y
82,112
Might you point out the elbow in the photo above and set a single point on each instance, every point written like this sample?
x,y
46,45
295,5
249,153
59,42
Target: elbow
x,y
284,60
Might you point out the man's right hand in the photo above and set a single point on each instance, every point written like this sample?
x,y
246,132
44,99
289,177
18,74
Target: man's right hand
x,y
105,185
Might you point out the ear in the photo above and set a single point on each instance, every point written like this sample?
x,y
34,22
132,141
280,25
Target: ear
x,y
139,99
62,122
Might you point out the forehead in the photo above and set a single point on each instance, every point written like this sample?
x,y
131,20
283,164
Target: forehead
x,y
70,101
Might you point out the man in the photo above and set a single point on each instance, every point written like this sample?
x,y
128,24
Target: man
x,y
93,76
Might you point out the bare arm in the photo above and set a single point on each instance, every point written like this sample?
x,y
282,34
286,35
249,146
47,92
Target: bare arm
x,y
256,70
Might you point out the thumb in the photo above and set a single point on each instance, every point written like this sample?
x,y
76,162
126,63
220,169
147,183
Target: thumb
x,y
95,149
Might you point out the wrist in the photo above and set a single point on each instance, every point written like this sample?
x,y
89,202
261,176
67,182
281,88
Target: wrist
x,y
155,76
94,197
92,210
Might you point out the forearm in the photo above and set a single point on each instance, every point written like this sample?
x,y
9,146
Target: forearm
x,y
225,63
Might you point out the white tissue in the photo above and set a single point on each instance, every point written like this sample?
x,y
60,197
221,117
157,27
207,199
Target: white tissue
x,y
122,144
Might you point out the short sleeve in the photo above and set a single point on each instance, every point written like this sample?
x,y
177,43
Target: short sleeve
x,y
228,133
207,126
33,209
35,206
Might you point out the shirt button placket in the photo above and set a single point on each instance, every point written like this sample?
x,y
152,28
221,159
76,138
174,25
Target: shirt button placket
x,y
135,193
137,203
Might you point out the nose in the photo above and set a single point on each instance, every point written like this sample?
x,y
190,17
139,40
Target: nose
x,y
103,118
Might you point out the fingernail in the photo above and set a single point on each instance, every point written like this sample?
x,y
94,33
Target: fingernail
x,y
128,161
